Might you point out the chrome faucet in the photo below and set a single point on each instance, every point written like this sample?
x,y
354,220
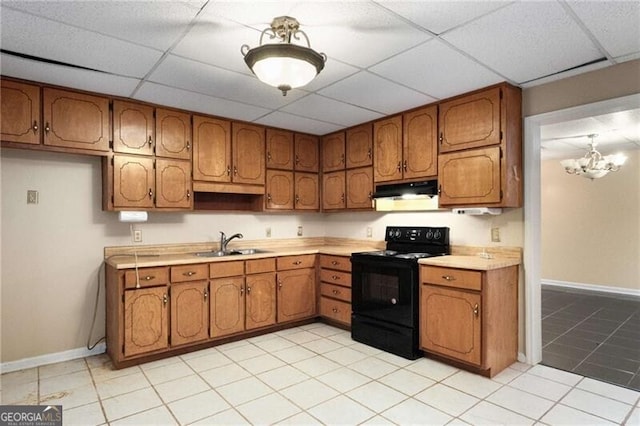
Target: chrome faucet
x,y
224,240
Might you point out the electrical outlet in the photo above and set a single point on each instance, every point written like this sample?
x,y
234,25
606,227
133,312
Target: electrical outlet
x,y
299,231
32,196
137,236
495,235
268,232
369,232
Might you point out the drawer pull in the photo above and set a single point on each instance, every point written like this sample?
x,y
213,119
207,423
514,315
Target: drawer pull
x,y
297,262
335,277
335,292
476,310
149,277
189,274
335,310
448,278
335,262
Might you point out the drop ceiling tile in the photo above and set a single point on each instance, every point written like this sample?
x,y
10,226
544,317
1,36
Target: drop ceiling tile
x,y
357,33
147,23
567,74
422,69
332,111
197,102
213,81
615,24
526,41
43,38
296,123
333,71
375,93
92,81
574,129
440,16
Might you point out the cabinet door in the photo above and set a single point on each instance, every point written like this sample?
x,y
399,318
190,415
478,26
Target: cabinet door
x,y
450,323
469,177
211,149
307,191
306,153
146,320
419,138
279,149
296,294
173,134
189,312
20,114
260,300
75,120
134,183
470,121
133,128
280,190
173,184
248,154
359,146
333,155
333,187
359,188
387,149
227,306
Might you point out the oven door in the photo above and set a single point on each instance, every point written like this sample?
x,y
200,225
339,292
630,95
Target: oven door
x,y
385,289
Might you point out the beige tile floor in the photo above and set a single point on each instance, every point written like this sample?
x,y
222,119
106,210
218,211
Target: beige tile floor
x,y
314,374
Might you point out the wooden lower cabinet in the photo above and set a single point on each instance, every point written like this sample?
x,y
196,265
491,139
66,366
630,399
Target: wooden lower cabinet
x,y
260,300
296,294
189,312
227,307
470,316
335,289
146,320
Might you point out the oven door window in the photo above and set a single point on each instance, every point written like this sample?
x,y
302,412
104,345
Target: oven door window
x,y
385,291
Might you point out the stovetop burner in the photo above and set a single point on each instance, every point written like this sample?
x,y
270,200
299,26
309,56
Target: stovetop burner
x,y
413,243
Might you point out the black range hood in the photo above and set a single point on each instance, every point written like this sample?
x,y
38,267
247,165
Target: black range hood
x,y
409,189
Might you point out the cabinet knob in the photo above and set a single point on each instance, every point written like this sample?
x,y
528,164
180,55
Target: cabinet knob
x,y
404,165
342,158
279,284
248,290
441,138
235,170
342,197
297,159
228,170
150,193
188,193
476,310
46,127
165,299
150,141
268,156
369,153
448,278
439,189
399,166
269,197
206,294
149,277
35,127
241,290
297,199
188,145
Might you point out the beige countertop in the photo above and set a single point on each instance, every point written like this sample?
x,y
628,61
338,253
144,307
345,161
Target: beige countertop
x,y
471,262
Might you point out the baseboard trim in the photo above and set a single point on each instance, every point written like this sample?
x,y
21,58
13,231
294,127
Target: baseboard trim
x,y
592,287
37,361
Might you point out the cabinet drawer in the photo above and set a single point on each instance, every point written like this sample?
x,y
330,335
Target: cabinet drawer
x,y
335,310
295,262
189,273
336,291
341,263
148,277
335,277
258,266
450,277
226,269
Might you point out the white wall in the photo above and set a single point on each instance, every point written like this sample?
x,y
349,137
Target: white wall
x,y
52,251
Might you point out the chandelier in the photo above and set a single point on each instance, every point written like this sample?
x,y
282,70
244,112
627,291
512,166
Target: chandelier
x,y
593,165
283,64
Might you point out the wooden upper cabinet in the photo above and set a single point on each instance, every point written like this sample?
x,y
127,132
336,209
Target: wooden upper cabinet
x,y
470,121
470,177
419,139
75,120
173,134
359,188
133,128
134,184
333,154
359,146
306,153
387,149
211,149
173,184
307,191
279,149
280,192
333,187
248,153
20,113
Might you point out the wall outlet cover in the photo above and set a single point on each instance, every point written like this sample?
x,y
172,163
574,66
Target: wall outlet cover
x,y
299,231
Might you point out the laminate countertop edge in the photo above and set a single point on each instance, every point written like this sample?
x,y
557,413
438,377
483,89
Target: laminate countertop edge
x,y
470,262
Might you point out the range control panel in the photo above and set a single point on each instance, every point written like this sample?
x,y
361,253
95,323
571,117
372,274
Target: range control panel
x,y
422,234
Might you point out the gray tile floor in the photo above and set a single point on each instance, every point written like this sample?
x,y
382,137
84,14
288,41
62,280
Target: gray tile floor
x,y
593,334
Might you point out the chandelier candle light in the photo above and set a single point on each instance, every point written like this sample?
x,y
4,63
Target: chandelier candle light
x,y
283,64
593,165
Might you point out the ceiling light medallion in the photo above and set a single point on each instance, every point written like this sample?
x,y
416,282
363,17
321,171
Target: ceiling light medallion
x,y
282,64
593,165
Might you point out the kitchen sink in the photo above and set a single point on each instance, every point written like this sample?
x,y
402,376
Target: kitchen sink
x,y
221,253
